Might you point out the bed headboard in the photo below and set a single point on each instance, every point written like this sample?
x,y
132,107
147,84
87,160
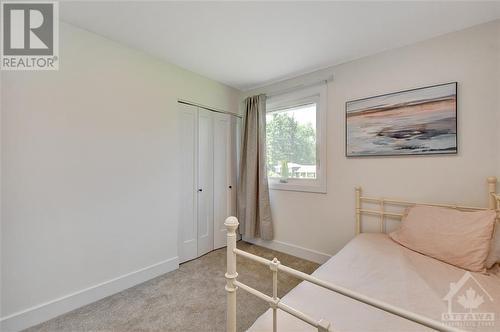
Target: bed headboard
x,y
384,203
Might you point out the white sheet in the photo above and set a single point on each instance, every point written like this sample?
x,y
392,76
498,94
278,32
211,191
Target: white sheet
x,y
374,265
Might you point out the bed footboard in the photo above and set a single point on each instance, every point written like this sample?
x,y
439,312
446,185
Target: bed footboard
x,y
232,285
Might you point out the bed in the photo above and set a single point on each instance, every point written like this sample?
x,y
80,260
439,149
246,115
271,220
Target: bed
x,y
375,284
395,275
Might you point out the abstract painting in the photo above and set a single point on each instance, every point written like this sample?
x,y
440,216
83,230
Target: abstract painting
x,y
412,122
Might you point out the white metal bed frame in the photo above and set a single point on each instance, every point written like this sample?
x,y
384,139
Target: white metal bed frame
x,y
232,284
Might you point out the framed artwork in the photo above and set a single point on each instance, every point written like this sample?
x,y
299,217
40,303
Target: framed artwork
x,y
420,121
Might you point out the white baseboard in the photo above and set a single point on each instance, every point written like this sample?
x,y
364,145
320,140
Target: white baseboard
x,y
45,311
291,249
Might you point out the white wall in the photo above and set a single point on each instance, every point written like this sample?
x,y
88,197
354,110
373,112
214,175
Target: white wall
x,y
498,99
89,171
324,223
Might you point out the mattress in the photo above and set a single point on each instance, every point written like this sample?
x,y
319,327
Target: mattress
x,y
374,265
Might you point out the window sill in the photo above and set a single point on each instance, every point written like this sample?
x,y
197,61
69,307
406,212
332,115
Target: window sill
x,y
317,189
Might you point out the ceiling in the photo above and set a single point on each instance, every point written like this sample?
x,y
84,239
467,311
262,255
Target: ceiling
x,y
250,44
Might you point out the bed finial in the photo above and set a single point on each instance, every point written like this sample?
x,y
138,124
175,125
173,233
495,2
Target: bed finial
x,y
231,224
323,326
357,189
492,189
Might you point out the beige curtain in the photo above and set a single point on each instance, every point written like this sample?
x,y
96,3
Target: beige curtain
x,y
254,209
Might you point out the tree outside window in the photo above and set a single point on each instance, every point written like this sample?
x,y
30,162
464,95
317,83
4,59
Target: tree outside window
x,y
291,143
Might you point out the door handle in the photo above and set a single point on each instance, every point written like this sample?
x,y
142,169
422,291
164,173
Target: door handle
x,y
200,189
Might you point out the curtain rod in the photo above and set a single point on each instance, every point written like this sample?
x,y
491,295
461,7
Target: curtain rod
x,y
294,88
297,87
182,101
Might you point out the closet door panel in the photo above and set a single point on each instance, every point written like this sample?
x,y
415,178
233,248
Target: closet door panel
x,y
205,182
234,161
188,227
223,187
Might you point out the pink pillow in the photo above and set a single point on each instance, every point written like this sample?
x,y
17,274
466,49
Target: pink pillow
x,y
459,238
494,255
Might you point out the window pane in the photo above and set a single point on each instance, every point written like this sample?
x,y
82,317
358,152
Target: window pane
x,y
291,143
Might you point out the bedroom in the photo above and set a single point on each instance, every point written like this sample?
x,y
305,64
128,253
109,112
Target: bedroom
x,y
103,154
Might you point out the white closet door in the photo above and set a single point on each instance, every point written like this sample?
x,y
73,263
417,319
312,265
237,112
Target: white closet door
x,y
223,176
205,181
188,227
235,160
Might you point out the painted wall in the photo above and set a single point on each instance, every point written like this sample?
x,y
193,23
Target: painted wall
x,y
310,223
498,100
89,170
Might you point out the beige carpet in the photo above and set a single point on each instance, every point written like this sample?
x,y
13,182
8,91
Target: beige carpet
x,y
191,298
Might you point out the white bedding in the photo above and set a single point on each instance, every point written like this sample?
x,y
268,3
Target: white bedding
x,y
374,265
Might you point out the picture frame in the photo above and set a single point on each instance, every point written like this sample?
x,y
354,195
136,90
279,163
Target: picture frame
x,y
419,121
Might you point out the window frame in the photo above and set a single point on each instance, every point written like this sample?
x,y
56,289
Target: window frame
x,y
314,94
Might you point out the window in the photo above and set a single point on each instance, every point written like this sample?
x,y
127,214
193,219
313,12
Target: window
x,y
295,138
